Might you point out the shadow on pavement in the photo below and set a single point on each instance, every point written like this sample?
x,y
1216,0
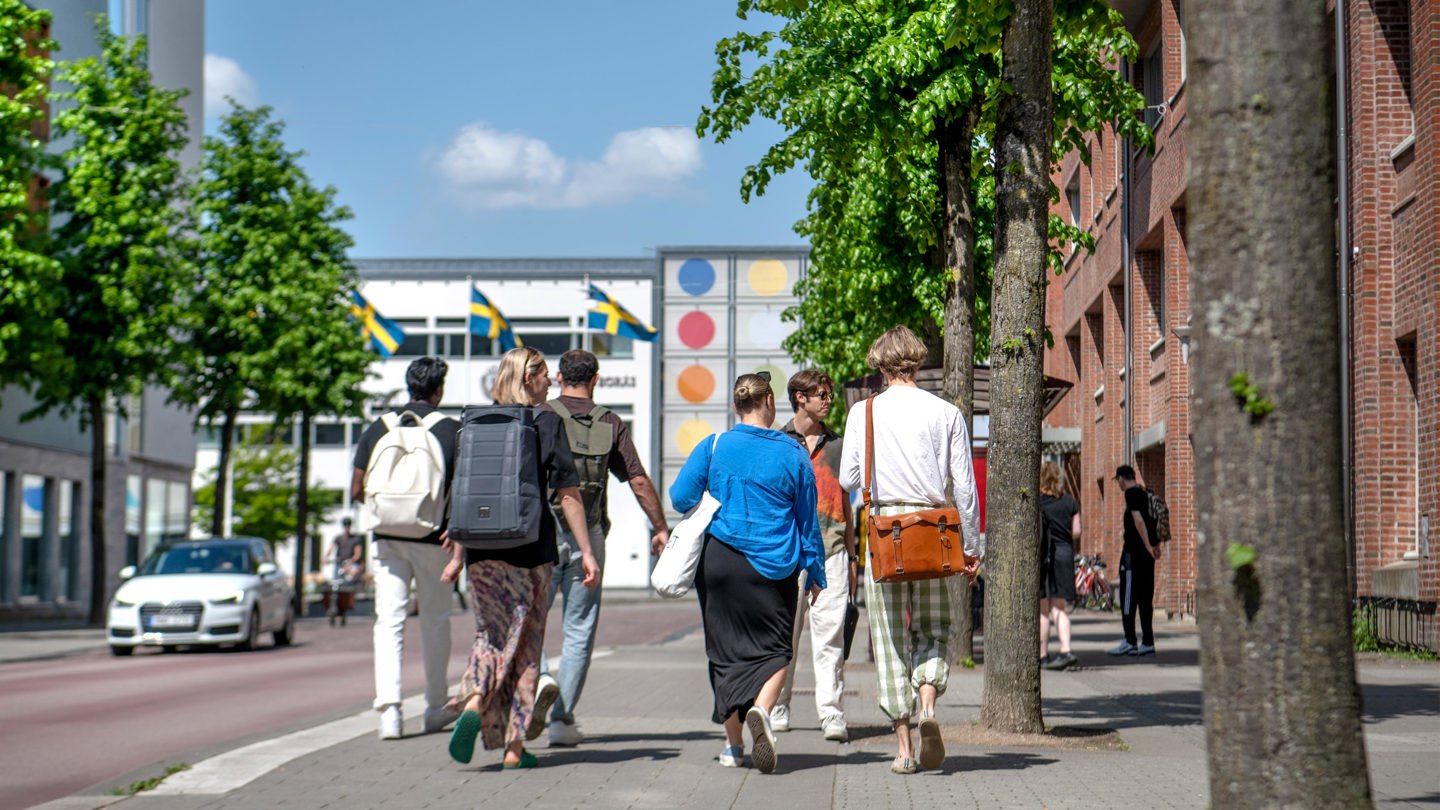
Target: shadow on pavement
x,y
594,756
998,761
717,735
1131,711
1388,701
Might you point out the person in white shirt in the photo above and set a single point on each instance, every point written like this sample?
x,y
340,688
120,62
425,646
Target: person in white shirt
x,y
922,461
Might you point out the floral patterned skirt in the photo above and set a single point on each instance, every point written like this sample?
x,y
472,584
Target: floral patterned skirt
x,y
510,607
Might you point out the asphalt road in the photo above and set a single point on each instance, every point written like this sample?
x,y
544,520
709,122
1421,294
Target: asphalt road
x,y
90,719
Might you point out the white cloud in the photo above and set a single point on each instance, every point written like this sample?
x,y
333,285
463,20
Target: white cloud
x,y
224,77
488,168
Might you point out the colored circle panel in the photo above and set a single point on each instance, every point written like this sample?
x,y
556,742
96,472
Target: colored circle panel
x,y
696,276
696,330
690,433
768,276
766,330
696,384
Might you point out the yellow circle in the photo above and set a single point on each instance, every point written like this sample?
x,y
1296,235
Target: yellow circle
x,y
690,433
768,276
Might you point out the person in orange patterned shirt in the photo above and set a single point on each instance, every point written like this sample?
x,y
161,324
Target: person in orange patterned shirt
x,y
811,394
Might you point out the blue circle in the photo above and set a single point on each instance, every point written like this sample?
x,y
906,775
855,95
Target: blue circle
x,y
697,276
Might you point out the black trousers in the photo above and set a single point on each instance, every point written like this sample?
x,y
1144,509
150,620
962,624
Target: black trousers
x,y
1137,594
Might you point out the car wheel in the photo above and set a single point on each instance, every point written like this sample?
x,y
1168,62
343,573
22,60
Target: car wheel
x,y
252,632
120,651
286,634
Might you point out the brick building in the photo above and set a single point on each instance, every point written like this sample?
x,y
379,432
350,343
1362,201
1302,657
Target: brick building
x,y
1121,315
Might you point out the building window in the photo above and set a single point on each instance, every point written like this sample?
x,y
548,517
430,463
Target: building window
x,y
1180,30
5,537
453,346
329,435
68,534
551,336
1153,84
417,340
604,344
1072,195
177,512
133,495
34,492
154,516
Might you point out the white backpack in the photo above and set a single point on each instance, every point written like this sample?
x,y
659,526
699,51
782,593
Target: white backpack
x,y
405,479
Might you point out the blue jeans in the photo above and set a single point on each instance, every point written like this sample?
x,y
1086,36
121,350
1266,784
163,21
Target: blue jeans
x,y
581,614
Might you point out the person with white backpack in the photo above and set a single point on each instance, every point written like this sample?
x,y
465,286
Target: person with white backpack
x,y
403,466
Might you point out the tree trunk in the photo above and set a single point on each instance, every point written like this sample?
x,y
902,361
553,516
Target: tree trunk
x,y
1012,637
1281,705
302,513
99,566
958,244
218,523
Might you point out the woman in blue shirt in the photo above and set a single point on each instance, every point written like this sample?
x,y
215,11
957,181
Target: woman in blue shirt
x,y
764,533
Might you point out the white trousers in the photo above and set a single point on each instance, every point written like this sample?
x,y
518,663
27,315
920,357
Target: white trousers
x,y
396,563
827,638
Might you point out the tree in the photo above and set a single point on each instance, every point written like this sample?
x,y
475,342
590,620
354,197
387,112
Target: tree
x,y
127,272
1023,144
265,501
29,279
260,234
1281,704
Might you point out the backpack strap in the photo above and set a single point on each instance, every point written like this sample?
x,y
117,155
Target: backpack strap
x,y
430,421
391,419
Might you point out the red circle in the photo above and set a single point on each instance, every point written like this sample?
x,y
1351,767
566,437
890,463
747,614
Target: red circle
x,y
696,330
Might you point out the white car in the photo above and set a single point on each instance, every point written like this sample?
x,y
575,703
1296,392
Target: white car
x,y
222,591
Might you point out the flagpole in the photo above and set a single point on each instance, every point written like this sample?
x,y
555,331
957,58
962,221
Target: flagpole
x,y
586,340
469,297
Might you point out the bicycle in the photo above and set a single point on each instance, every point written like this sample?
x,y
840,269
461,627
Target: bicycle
x,y
1092,591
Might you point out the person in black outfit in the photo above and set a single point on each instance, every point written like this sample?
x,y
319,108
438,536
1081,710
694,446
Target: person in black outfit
x,y
1060,529
1137,567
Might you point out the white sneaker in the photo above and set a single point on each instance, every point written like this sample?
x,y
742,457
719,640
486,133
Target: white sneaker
x,y
835,729
732,756
762,747
565,735
392,724
780,718
438,717
547,691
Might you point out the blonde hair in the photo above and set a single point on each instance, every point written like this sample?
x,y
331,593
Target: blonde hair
x,y
509,388
750,392
1050,479
897,353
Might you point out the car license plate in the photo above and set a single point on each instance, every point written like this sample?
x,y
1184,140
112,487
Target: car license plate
x,y
164,620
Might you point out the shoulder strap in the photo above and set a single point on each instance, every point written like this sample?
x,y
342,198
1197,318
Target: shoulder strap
x,y
597,412
434,418
391,420
869,447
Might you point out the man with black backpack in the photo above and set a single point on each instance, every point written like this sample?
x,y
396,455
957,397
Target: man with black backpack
x,y
1137,566
403,467
601,446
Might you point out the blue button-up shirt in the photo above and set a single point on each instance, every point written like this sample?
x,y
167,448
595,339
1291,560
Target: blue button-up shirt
x,y
766,489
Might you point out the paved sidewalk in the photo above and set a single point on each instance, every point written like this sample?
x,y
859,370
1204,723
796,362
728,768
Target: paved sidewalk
x,y
650,744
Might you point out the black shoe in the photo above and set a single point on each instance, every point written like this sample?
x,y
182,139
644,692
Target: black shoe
x,y
1065,661
1047,661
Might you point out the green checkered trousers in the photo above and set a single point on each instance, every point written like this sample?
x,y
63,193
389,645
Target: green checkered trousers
x,y
907,657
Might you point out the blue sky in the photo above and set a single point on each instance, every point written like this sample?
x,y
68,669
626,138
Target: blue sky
x,y
505,129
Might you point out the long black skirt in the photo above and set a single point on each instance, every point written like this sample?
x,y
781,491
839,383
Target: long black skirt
x,y
748,620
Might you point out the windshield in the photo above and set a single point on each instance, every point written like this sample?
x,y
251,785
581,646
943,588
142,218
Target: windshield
x,y
199,560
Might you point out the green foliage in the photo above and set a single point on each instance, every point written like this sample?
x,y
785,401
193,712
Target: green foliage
x,y
151,783
272,314
1239,555
127,269
863,91
266,502
30,281
1249,397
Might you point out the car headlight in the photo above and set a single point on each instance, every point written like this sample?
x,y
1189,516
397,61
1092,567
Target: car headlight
x,y
229,599
121,603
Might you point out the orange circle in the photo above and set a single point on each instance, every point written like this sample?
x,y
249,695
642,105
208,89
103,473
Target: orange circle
x,y
696,384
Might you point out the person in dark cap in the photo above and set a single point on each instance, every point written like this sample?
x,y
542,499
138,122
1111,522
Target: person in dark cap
x,y
1137,567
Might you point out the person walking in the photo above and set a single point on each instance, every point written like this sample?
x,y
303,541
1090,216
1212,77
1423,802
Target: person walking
x,y
761,537
1137,567
399,559
346,555
1060,524
811,393
509,588
601,446
921,461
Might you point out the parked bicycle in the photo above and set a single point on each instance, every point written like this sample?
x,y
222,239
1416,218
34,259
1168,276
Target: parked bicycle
x,y
1091,588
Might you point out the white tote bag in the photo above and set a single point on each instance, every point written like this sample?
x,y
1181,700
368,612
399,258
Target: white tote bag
x,y
674,572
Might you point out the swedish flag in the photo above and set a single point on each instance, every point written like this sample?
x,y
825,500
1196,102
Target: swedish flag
x,y
486,321
385,335
609,316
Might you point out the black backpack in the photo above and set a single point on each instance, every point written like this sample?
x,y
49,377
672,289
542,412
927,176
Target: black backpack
x,y
495,502
591,440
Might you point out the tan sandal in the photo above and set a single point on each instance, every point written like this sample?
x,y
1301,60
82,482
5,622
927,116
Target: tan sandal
x,y
904,765
932,747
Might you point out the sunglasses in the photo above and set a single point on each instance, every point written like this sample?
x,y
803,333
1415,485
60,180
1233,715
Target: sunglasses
x,y
764,375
